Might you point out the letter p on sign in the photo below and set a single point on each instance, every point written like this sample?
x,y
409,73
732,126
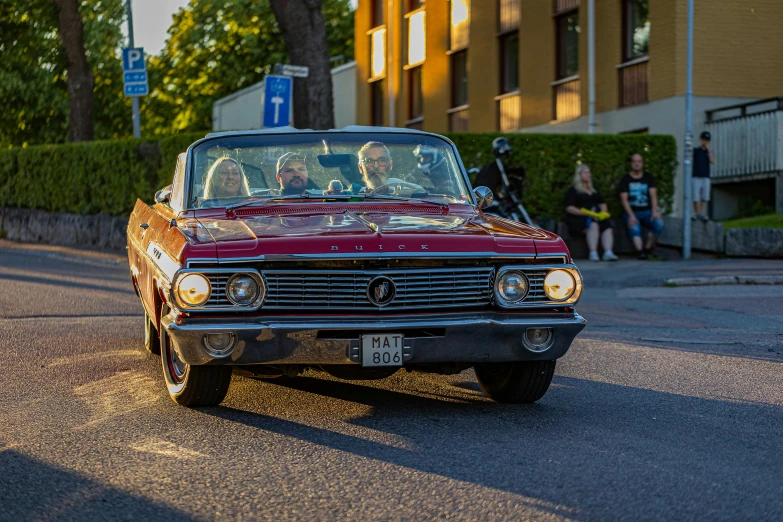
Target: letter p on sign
x,y
133,59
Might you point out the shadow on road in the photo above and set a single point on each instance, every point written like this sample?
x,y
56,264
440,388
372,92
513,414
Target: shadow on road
x,y
584,445
33,490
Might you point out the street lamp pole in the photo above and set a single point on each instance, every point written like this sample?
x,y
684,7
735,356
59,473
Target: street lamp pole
x,y
591,66
688,159
134,99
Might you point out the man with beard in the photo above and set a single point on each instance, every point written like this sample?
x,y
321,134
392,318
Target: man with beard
x,y
292,173
375,164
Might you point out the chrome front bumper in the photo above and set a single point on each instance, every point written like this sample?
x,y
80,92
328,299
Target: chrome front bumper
x,y
457,337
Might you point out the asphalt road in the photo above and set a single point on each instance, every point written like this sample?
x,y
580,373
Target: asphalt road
x,y
668,406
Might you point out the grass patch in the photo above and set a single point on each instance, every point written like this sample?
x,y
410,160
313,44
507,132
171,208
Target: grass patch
x,y
670,284
765,221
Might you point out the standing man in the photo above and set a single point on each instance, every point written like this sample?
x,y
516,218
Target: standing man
x,y
639,198
702,159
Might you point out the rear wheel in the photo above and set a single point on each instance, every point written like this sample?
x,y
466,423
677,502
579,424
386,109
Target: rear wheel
x,y
517,382
188,385
151,337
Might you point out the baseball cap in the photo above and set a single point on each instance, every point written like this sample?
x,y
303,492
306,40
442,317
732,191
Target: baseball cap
x,y
706,135
290,156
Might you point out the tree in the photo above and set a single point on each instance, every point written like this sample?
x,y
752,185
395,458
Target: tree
x,y
217,47
33,76
80,77
304,31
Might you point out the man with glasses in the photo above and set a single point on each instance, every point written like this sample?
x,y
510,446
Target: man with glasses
x,y
375,164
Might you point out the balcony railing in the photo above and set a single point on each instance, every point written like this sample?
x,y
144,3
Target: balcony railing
x,y
747,140
633,82
567,99
509,111
415,123
458,119
560,6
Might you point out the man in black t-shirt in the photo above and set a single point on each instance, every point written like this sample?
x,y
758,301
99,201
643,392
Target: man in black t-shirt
x,y
639,198
702,159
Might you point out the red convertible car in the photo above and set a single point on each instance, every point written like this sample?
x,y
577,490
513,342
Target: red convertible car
x,y
359,251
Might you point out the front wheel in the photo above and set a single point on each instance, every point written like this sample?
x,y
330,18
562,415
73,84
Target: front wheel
x,y
188,385
517,382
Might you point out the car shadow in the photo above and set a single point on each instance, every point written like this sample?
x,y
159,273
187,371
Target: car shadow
x,y
33,490
584,439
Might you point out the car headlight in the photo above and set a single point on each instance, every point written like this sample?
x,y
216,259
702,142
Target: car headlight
x,y
512,287
193,289
243,289
559,285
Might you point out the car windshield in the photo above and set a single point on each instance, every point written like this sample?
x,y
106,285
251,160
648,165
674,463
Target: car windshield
x,y
316,167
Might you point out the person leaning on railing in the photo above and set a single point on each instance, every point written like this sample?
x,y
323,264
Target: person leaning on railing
x,y
587,213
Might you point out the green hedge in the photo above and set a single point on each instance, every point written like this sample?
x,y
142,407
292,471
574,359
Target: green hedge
x,y
108,176
550,161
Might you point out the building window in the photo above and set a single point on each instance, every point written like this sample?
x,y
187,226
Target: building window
x,y
412,5
415,108
416,41
508,15
567,35
637,29
459,24
376,101
378,53
509,63
459,79
377,12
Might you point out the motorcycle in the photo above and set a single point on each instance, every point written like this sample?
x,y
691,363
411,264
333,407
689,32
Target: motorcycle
x,y
506,203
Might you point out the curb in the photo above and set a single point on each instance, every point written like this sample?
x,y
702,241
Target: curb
x,y
726,280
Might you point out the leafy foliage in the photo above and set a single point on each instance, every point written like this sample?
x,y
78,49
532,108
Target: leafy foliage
x,y
108,176
33,80
550,162
217,47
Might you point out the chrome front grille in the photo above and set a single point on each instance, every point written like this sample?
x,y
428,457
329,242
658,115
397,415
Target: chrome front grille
x,y
218,296
347,289
535,279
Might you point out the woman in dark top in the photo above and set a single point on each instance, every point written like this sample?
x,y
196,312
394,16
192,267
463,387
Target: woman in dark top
x,y
582,197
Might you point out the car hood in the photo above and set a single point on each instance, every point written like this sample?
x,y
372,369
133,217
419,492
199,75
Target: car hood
x,y
367,232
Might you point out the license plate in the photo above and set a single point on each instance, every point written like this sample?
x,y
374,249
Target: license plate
x,y
382,349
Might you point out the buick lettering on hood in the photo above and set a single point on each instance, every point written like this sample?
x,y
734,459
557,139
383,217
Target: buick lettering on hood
x,y
360,252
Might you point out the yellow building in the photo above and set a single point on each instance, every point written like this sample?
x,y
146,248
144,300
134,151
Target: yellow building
x,y
522,65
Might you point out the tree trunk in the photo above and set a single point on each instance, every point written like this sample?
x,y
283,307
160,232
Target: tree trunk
x,y
304,32
80,77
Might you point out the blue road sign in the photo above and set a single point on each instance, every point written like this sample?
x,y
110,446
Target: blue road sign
x,y
277,101
135,77
133,59
136,89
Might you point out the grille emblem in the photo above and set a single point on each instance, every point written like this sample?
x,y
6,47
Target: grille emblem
x,y
381,291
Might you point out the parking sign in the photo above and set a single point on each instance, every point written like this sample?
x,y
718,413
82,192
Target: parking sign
x,y
134,72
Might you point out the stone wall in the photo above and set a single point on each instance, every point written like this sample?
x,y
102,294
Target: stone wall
x,y
37,226
754,242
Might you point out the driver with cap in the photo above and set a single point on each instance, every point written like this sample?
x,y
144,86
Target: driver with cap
x,y
292,173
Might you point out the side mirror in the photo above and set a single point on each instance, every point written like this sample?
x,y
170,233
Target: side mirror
x,y
163,195
484,196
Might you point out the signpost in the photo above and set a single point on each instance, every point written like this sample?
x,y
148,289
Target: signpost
x,y
277,100
134,72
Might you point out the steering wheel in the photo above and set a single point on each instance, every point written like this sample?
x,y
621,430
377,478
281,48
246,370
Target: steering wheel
x,y
394,184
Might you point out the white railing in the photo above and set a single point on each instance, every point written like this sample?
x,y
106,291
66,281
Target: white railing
x,y
747,145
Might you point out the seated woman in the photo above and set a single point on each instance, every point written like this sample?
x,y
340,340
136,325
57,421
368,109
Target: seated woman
x,y
226,179
587,213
